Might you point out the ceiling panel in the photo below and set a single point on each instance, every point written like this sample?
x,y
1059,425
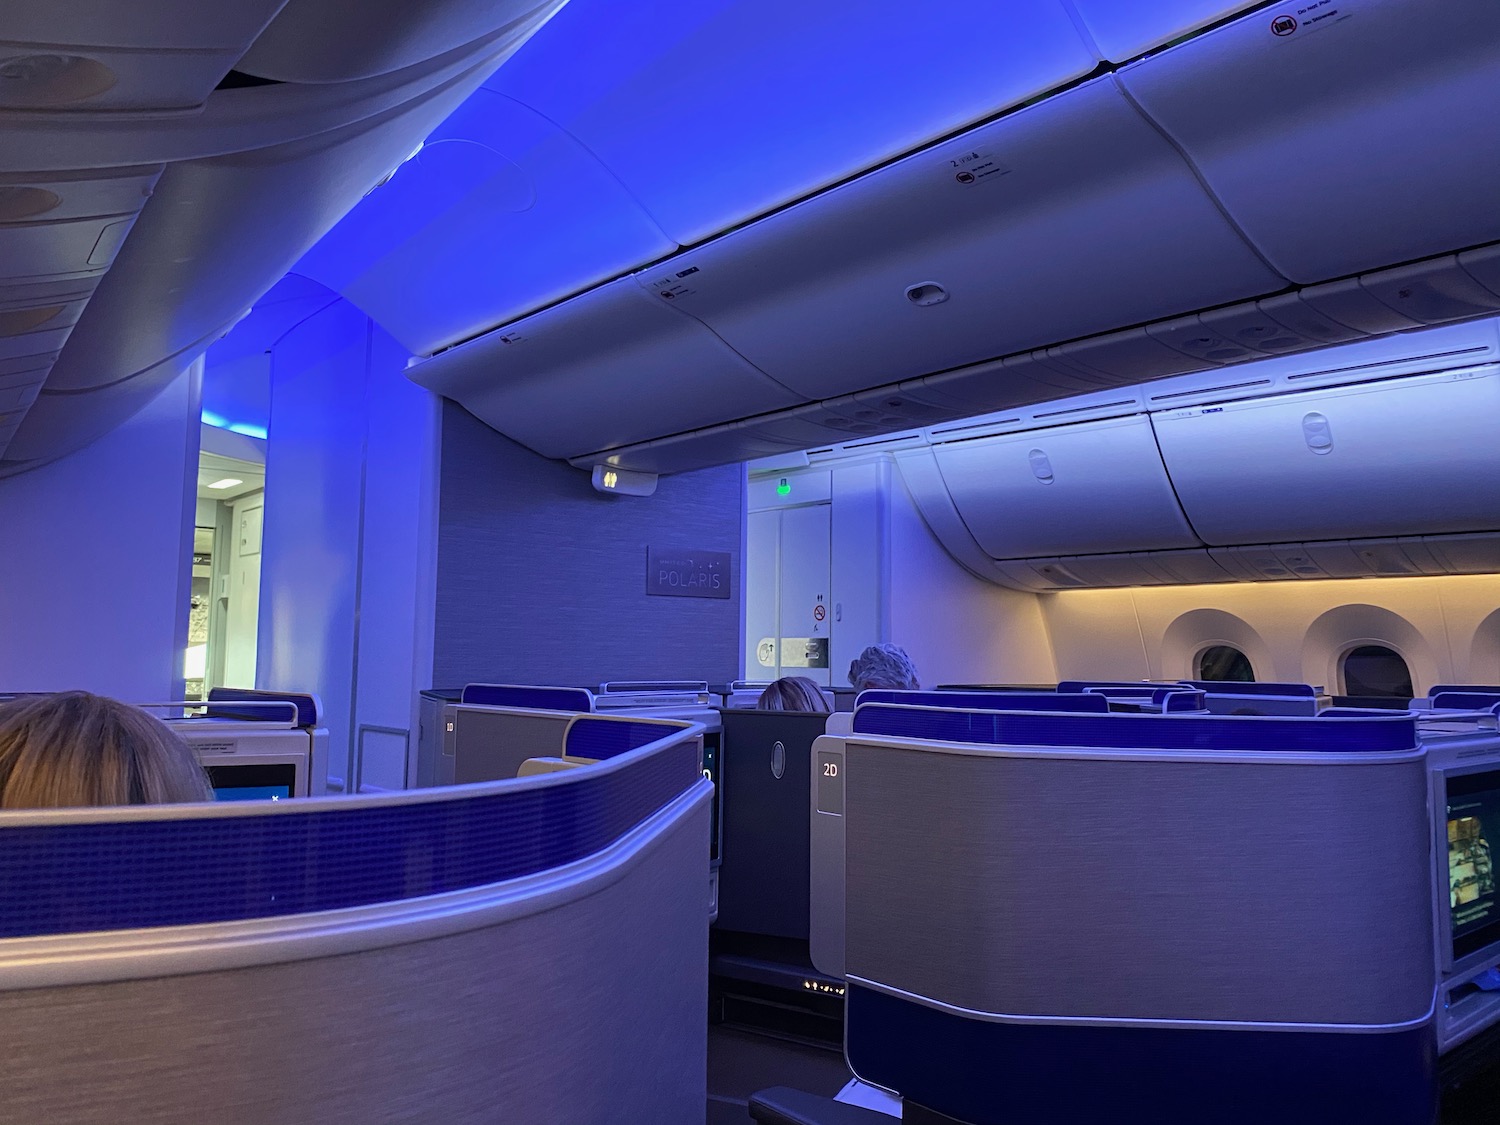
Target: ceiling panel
x,y
719,110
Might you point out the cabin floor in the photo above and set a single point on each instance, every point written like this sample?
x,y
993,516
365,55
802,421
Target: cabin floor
x,y
742,1062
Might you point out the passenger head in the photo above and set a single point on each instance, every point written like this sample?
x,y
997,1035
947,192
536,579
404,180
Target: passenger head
x,y
792,693
883,666
73,748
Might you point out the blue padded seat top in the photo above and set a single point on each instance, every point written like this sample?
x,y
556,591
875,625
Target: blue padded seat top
x,y
1392,732
987,700
305,703
1471,700
601,739
522,695
1247,687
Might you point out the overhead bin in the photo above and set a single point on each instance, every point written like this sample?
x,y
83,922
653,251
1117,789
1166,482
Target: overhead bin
x,y
609,368
220,231
1092,487
59,423
1331,132
702,110
700,449
1123,29
101,54
1157,568
500,213
334,41
1400,456
1069,217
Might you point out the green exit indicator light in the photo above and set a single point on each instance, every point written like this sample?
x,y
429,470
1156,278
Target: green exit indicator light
x,y
783,487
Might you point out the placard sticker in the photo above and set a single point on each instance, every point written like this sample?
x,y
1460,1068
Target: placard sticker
x,y
674,285
969,167
1314,16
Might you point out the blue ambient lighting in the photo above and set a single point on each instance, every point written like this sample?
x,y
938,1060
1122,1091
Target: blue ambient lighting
x,y
219,422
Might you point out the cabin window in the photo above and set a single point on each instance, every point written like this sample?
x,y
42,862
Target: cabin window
x,y
1224,662
1374,670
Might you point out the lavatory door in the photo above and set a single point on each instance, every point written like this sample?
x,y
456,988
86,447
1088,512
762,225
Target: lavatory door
x,y
788,612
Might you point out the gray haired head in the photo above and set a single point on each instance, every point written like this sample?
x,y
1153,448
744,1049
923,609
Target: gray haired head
x,y
883,666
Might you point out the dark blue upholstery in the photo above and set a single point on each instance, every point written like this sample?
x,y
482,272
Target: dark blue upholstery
x,y
1394,732
292,859
535,698
988,1073
988,700
600,739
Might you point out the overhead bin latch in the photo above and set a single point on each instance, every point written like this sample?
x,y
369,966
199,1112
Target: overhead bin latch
x,y
926,293
1317,433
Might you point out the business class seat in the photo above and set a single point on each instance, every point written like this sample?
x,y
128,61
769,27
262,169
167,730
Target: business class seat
x,y
380,958
1059,918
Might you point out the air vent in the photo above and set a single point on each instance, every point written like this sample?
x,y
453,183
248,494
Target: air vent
x,y
1445,359
882,441
974,426
1212,390
1086,409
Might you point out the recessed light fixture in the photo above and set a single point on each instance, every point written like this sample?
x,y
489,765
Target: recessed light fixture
x,y
227,482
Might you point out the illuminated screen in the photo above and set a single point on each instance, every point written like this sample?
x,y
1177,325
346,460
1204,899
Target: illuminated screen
x,y
253,781
711,771
1473,836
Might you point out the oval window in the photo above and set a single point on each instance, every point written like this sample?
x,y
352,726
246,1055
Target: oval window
x,y
1374,670
1224,662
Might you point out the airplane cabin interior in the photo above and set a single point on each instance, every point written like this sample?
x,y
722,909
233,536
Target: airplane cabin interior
x,y
481,435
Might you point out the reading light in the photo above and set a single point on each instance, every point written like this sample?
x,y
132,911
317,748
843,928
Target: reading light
x,y
227,482
623,482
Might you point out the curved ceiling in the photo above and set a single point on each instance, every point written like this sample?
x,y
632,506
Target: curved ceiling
x,y
151,189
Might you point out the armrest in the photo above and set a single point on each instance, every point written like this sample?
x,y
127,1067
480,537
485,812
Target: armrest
x,y
781,1105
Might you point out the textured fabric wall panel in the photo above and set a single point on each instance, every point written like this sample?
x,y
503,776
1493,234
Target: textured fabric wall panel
x,y
507,1023
1113,888
542,580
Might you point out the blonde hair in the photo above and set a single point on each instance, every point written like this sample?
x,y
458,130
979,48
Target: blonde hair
x,y
792,693
74,748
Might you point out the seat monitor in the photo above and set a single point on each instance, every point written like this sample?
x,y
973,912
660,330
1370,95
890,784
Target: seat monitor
x,y
251,781
1473,814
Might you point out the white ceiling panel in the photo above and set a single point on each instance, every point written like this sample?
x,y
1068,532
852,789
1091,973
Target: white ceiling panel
x,y
1123,29
716,111
501,212
219,232
336,41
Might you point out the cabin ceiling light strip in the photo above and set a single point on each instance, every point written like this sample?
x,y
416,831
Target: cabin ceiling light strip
x,y
227,482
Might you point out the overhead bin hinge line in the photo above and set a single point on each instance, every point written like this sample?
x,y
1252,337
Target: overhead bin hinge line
x,y
709,328
610,172
1208,190
1172,484
1105,68
1076,17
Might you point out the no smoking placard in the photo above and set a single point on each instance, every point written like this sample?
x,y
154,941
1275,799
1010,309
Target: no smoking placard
x,y
819,613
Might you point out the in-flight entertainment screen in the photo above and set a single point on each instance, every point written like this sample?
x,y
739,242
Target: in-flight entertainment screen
x,y
253,781
1473,802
